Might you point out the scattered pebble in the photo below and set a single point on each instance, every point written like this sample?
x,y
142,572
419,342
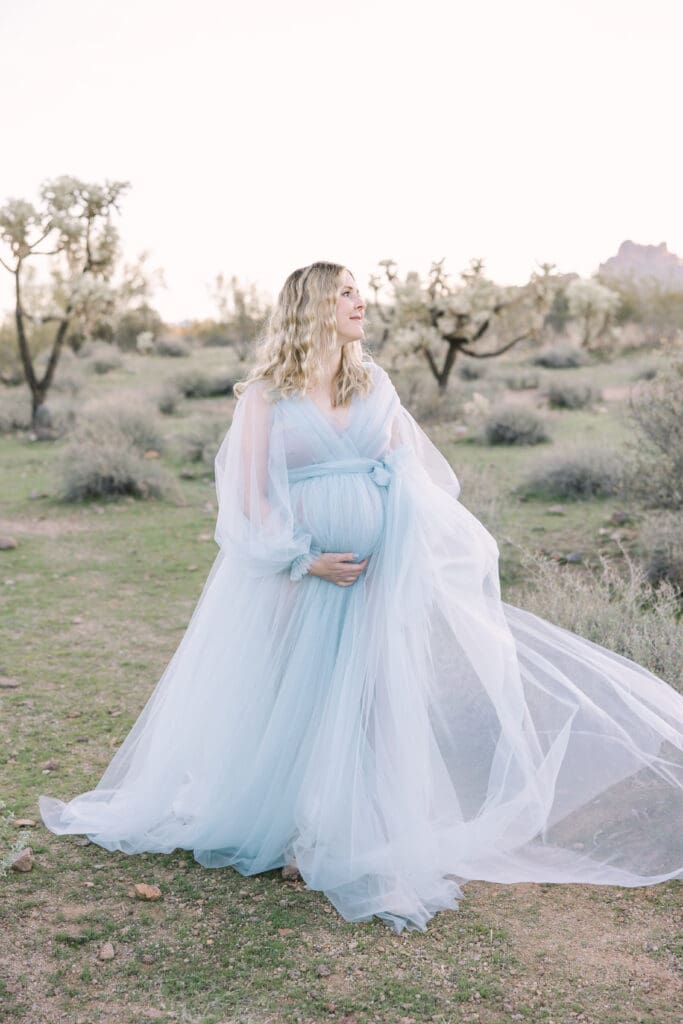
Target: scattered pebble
x,y
24,860
147,892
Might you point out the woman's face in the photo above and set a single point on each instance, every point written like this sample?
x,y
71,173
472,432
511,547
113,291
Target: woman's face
x,y
350,310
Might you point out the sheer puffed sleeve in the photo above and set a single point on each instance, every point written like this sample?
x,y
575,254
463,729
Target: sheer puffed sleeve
x,y
255,524
405,431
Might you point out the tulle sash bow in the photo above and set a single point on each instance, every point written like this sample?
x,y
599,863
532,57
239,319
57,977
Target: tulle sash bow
x,y
380,470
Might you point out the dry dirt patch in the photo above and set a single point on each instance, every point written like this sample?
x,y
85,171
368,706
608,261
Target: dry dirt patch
x,y
38,526
572,942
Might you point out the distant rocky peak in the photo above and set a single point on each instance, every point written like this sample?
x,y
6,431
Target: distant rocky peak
x,y
645,264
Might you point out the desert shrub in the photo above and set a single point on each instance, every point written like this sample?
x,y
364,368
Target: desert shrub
x,y
15,410
136,424
109,467
197,384
521,381
574,476
617,609
167,398
55,417
661,541
471,370
101,357
68,380
175,348
560,357
201,441
420,394
12,839
656,412
647,372
514,425
12,374
570,396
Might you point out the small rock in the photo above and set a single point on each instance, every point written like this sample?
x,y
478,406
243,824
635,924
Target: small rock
x,y
574,557
619,518
147,892
107,952
50,764
7,543
323,971
23,823
8,683
147,958
24,860
83,841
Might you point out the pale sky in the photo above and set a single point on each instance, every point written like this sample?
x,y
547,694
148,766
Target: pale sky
x,y
259,136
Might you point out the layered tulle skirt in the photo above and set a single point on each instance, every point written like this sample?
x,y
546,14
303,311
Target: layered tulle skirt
x,y
398,736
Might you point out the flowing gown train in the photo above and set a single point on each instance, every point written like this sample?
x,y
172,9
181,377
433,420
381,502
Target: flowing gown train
x,y
398,736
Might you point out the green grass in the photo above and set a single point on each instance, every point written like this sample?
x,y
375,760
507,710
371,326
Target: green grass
x,y
93,603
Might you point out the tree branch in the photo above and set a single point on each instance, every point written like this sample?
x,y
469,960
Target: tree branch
x,y
498,352
432,365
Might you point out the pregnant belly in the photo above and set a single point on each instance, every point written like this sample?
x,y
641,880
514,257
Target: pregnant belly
x,y
341,511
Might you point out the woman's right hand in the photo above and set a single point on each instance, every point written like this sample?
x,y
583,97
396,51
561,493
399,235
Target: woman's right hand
x,y
339,569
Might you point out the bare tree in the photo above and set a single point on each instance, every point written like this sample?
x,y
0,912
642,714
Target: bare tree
x,y
73,226
439,321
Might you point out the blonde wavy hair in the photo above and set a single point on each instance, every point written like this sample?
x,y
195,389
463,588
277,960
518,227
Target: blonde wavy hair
x,y
301,332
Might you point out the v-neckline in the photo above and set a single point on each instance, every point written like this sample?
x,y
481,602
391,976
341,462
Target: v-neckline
x,y
339,430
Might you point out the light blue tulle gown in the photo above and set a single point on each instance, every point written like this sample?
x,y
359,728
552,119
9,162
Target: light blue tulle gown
x,y
398,736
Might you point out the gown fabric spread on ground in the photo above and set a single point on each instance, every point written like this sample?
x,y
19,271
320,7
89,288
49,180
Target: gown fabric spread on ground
x,y
398,736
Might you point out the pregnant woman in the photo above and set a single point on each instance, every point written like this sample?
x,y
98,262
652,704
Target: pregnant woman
x,y
351,693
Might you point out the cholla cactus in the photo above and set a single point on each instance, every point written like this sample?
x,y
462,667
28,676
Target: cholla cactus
x,y
594,306
426,318
144,342
73,226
